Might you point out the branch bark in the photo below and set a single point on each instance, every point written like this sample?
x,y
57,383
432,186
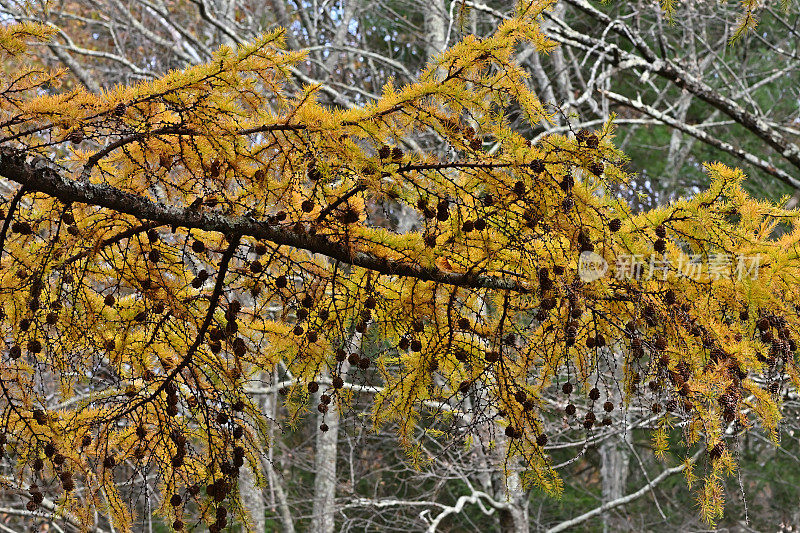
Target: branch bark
x,y
44,179
670,70
564,526
701,135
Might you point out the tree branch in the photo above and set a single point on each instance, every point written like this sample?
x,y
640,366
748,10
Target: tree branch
x,y
475,497
76,68
14,167
701,135
569,524
671,71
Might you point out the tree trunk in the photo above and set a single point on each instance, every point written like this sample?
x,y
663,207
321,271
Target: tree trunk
x,y
251,495
252,499
325,468
677,152
435,28
323,513
514,519
507,489
270,408
615,457
615,451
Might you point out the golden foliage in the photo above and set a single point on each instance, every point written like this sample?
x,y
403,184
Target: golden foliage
x,y
140,339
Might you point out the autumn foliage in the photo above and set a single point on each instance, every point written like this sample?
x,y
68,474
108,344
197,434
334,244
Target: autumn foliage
x,y
167,245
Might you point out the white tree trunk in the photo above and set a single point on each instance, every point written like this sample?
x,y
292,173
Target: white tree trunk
x,y
615,456
327,444
252,499
435,27
325,468
270,408
251,495
515,518
615,452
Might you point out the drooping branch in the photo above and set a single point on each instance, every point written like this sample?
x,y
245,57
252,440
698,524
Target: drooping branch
x,y
42,178
216,293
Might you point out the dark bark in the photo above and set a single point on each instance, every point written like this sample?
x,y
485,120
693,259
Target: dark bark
x,y
14,167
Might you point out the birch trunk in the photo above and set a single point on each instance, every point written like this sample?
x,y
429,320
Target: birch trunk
x,y
615,451
435,28
615,457
252,499
515,518
325,468
327,445
270,408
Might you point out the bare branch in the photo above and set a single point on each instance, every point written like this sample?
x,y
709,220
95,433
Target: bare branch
x,y
564,526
